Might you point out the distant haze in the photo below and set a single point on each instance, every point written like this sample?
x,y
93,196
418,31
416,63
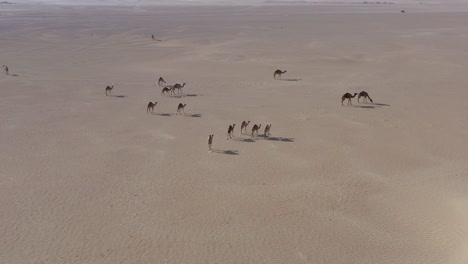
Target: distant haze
x,y
222,2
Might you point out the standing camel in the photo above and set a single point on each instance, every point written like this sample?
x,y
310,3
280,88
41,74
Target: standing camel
x,y
178,87
161,81
180,108
109,90
166,90
5,70
230,131
349,97
267,130
210,142
255,128
244,126
278,73
365,95
151,106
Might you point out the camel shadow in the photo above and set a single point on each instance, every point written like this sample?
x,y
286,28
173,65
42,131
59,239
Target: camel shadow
x,y
226,152
244,140
362,106
184,95
14,75
290,80
380,104
118,96
163,114
281,139
193,115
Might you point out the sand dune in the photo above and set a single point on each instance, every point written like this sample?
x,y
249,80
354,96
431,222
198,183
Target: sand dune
x,y
87,178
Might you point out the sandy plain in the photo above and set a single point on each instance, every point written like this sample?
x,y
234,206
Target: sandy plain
x,y
87,178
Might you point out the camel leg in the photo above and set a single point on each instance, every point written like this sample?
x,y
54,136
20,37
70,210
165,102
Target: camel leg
x,y
342,100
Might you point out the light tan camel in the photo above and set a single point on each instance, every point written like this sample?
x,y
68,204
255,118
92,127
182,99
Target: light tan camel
x,y
150,107
278,73
349,97
230,131
365,95
210,142
244,126
255,128
180,108
6,70
267,130
109,90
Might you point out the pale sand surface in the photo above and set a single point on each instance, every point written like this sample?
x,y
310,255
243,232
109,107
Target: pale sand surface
x,y
86,178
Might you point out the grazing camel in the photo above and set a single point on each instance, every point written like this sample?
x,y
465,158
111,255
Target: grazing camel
x,y
365,95
267,130
349,97
178,87
109,90
5,70
278,73
161,81
403,11
166,90
244,126
210,142
152,37
230,131
255,128
151,106
180,108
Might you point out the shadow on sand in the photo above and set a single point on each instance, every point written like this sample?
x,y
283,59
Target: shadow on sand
x,y
118,96
163,114
184,95
243,139
362,106
290,80
227,152
14,75
193,115
281,139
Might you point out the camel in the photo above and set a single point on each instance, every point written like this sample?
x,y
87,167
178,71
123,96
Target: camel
x,y
267,130
403,11
278,72
166,90
244,126
151,106
365,95
161,81
230,131
178,87
255,128
5,69
181,107
210,142
152,37
109,90
349,97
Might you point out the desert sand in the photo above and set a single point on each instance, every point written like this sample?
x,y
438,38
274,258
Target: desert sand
x,y
89,178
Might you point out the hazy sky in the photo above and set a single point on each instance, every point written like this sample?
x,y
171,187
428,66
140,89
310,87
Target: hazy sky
x,y
222,2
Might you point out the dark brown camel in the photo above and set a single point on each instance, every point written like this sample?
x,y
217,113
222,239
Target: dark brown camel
x,y
150,107
210,141
180,108
109,90
255,129
349,97
278,73
365,95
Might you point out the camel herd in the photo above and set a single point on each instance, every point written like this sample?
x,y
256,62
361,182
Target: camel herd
x,y
175,89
